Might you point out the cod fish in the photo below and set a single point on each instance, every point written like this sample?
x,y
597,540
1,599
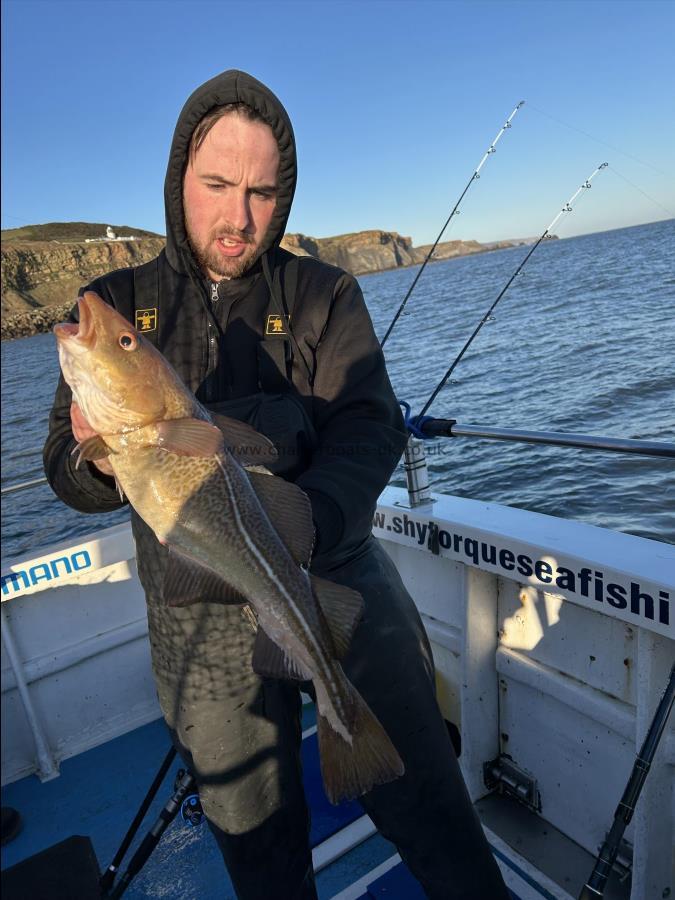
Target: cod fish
x,y
235,533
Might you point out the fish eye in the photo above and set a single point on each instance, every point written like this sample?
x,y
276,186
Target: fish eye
x,y
127,341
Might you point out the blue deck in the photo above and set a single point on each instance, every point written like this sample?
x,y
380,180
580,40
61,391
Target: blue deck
x,y
99,792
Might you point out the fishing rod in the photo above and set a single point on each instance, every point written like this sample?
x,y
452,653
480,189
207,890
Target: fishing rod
x,y
417,420
183,788
595,886
455,212
108,877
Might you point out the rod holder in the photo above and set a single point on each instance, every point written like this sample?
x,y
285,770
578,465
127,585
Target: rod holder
x,y
451,428
416,472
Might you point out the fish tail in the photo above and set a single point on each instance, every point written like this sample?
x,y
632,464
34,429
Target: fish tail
x,y
352,769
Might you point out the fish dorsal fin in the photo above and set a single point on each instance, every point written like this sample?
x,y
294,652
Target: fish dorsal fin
x,y
247,445
189,437
342,608
289,510
187,581
270,661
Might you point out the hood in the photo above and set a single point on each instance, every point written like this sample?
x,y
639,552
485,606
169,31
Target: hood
x,y
229,87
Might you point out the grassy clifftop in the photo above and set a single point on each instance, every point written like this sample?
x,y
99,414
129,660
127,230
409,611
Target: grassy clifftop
x,y
70,231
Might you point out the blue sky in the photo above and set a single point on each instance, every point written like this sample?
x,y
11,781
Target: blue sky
x,y
393,105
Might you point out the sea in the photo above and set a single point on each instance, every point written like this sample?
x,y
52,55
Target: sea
x,y
583,341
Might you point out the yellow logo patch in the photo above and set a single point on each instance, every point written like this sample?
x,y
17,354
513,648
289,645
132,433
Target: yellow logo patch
x,y
146,319
276,325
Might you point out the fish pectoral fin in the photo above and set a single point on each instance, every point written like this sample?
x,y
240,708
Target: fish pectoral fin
x,y
290,512
91,449
247,445
270,661
342,608
189,437
187,581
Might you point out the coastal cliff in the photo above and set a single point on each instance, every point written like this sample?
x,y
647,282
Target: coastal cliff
x,y
358,253
44,266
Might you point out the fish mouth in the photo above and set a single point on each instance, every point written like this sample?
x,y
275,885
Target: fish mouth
x,y
83,333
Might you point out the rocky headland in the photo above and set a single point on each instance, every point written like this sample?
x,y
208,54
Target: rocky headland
x,y
44,266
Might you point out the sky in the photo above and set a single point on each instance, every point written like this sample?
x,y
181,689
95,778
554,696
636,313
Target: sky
x,y
393,104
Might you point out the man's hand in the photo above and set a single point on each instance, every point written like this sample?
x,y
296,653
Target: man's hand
x,y
81,431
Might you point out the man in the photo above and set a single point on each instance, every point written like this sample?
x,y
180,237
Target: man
x,y
287,345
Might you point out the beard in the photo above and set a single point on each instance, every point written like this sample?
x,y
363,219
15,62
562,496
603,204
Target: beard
x,y
210,260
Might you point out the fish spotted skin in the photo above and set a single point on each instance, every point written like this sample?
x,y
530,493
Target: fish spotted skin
x,y
174,466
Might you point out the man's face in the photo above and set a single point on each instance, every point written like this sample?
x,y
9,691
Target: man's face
x,y
229,195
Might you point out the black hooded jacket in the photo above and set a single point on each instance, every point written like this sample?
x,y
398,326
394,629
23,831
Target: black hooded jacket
x,y
337,372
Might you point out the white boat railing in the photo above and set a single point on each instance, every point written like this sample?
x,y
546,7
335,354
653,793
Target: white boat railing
x,y
23,486
553,641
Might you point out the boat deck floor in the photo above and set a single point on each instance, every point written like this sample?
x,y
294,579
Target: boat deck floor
x,y
99,792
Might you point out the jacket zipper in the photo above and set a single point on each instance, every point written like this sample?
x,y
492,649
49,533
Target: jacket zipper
x,y
212,353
